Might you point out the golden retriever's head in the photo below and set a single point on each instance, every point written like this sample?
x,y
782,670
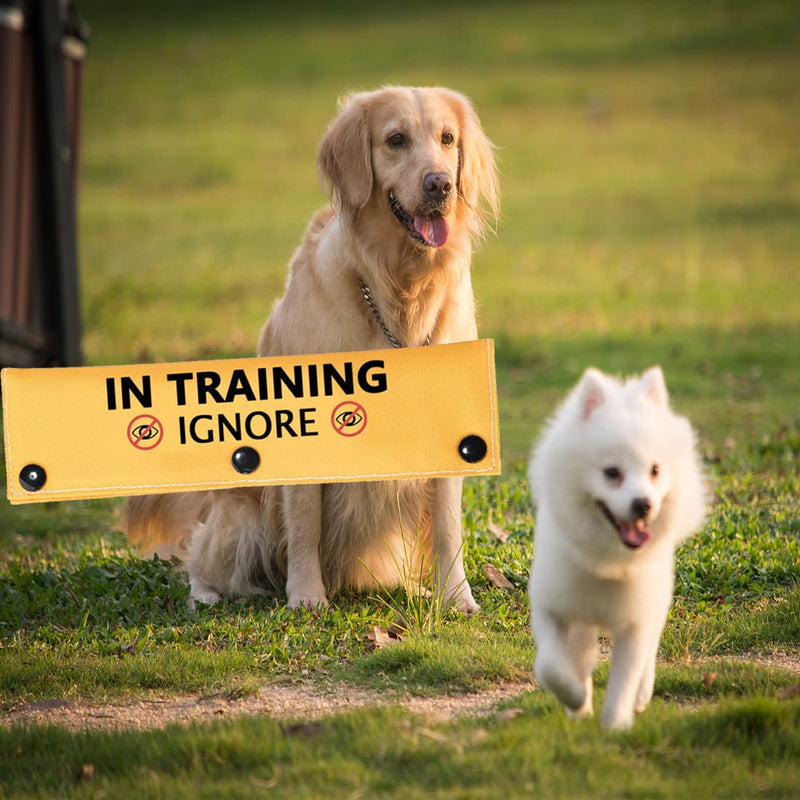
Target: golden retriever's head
x,y
417,155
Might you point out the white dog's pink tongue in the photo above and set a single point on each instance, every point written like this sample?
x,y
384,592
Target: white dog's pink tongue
x,y
433,229
633,534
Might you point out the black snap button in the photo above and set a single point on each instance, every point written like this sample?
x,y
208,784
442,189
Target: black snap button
x,y
472,449
246,460
32,478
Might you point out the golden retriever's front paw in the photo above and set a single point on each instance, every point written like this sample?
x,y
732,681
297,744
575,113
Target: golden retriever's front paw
x,y
464,601
304,591
202,593
307,600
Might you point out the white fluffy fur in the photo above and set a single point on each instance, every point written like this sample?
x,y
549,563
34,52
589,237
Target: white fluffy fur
x,y
583,576
312,540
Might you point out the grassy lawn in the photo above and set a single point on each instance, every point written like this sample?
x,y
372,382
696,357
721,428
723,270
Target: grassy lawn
x,y
651,190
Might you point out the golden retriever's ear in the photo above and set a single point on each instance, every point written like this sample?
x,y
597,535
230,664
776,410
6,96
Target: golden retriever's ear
x,y
344,157
478,182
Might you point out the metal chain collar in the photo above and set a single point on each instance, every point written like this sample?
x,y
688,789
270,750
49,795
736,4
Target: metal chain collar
x,y
379,319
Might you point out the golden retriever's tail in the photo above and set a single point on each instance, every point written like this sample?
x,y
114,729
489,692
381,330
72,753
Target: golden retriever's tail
x,y
161,523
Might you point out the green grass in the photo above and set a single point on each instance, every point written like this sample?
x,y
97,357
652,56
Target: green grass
x,y
647,151
650,207
674,752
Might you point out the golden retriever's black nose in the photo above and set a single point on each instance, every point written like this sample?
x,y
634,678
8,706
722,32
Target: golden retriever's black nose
x,y
437,185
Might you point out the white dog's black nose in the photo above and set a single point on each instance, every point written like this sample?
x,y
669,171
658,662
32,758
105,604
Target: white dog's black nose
x,y
640,507
437,185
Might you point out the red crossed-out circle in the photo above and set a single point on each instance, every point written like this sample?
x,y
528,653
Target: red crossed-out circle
x,y
349,418
145,432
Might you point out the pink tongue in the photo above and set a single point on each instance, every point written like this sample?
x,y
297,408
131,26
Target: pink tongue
x,y
433,229
633,534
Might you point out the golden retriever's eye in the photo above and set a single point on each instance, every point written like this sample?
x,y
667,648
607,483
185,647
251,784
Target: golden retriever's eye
x,y
447,139
396,140
655,470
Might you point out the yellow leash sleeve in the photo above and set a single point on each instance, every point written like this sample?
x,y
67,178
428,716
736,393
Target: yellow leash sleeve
x,y
371,415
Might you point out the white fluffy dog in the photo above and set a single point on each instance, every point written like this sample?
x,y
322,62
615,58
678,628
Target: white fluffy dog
x,y
618,484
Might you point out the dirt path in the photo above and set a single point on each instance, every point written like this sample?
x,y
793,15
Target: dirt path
x,y
294,701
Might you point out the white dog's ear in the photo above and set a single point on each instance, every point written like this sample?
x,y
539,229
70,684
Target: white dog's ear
x,y
654,386
344,156
477,182
591,391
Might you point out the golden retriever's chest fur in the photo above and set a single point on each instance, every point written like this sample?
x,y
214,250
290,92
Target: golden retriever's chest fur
x,y
372,530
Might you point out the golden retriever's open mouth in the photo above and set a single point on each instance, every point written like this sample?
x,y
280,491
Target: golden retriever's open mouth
x,y
632,533
429,229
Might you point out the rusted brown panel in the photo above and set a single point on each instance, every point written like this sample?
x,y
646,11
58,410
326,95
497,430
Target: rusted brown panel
x,y
11,112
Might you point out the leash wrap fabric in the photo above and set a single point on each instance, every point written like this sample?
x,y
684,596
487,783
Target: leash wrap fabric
x,y
156,428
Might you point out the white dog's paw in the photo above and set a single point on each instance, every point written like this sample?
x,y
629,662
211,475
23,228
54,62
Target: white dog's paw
x,y
587,709
642,701
580,713
559,679
615,719
645,694
202,593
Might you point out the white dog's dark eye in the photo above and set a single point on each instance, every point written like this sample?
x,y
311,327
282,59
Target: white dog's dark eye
x,y
396,140
655,470
447,139
613,473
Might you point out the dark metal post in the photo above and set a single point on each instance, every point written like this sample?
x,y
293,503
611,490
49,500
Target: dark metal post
x,y
58,248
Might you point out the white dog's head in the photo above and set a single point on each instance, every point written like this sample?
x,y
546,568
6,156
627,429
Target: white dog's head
x,y
630,469
617,458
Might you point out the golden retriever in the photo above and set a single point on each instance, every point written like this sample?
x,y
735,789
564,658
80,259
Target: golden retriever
x,y
413,182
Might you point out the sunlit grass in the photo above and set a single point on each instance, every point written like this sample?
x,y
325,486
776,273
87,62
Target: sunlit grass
x,y
648,164
650,203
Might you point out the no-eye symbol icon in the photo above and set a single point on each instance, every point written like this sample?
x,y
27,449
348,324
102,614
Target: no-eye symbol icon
x,y
145,432
349,418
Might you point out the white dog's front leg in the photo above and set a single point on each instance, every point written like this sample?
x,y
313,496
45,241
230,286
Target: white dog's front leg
x,y
645,692
558,667
630,660
447,545
581,646
302,518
